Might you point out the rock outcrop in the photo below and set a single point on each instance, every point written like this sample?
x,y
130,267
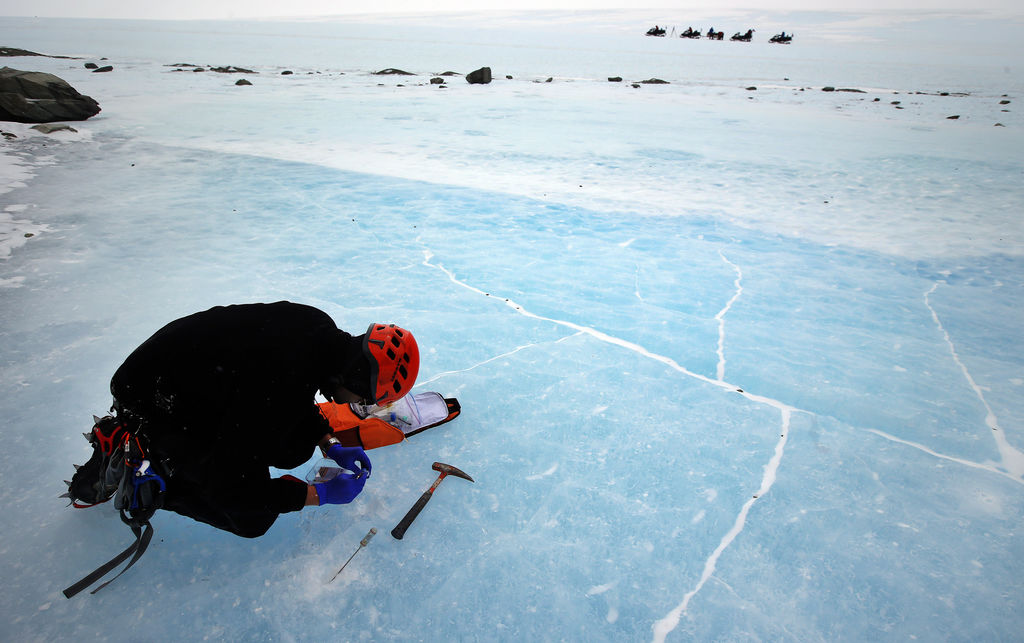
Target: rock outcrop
x,y
481,76
38,97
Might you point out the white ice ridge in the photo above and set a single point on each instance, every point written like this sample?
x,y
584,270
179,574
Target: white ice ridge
x,y
669,622
604,337
1012,459
966,463
721,316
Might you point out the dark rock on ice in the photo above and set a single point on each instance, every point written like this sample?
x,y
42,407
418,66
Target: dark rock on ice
x,y
287,72
828,89
48,128
953,117
391,71
231,69
104,69
615,79
852,91
38,97
242,82
437,80
481,76
654,81
13,52
450,73
91,66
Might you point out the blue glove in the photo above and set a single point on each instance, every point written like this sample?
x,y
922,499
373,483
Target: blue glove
x,y
347,457
340,490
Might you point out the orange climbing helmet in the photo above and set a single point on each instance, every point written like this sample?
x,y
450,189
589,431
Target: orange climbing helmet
x,y
394,360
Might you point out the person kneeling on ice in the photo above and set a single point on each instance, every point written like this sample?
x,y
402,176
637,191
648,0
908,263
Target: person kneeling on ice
x,y
215,399
210,402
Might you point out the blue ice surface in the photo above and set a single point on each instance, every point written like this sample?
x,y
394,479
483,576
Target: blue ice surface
x,y
678,426
605,478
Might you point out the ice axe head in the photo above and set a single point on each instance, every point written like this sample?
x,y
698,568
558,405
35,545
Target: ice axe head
x,y
449,470
445,470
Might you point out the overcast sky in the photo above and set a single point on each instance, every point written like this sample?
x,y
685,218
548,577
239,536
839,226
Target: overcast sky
x,y
188,9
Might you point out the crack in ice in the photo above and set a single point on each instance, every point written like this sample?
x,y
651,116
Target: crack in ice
x,y
721,316
1012,459
941,456
665,625
515,350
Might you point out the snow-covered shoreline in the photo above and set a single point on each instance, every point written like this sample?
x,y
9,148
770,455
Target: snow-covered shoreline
x,y
20,156
775,139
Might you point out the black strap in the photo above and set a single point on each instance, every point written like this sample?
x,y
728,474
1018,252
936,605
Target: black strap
x,y
142,538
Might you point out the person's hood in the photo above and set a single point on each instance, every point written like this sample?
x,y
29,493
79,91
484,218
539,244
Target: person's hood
x,y
351,367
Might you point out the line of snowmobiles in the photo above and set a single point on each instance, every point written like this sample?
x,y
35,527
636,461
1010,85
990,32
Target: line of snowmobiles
x,y
695,34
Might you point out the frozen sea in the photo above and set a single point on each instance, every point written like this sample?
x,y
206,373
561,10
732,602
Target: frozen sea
x,y
740,359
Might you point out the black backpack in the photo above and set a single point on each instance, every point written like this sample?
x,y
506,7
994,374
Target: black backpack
x,y
120,469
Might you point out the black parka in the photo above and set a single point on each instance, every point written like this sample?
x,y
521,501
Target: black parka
x,y
219,396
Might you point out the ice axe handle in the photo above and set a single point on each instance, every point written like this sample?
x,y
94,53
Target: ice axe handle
x,y
399,531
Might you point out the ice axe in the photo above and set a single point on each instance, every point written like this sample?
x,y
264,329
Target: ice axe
x,y
446,470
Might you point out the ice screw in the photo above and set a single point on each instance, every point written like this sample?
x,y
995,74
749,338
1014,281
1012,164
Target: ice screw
x,y
362,543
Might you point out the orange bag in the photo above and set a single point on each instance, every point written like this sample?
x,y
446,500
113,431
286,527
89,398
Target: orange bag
x,y
352,430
